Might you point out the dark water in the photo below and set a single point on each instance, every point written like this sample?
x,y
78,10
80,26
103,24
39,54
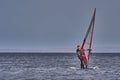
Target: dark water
x,y
61,66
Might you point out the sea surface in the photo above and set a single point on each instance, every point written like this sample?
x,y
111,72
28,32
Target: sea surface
x,y
58,66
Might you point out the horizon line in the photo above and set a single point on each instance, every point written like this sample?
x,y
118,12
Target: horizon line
x,y
71,50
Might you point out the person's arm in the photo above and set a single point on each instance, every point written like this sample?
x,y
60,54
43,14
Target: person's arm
x,y
85,49
82,50
89,49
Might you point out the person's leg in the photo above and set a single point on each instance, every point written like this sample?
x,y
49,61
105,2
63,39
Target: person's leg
x,y
86,66
82,64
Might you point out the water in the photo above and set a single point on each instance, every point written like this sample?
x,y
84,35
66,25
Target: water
x,y
59,66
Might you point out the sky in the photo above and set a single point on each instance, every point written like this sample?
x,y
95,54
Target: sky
x,y
58,25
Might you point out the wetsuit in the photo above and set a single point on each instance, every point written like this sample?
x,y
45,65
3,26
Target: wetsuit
x,y
79,54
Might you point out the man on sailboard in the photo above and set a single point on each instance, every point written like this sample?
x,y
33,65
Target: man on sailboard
x,y
79,54
84,51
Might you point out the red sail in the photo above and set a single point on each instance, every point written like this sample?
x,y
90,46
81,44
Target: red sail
x,y
87,42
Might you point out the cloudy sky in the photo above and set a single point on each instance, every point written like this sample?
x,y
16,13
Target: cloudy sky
x,y
58,25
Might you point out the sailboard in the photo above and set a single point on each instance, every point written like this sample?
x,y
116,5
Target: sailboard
x,y
87,42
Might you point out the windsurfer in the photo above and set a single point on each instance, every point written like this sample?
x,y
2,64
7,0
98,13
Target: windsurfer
x,y
84,51
79,54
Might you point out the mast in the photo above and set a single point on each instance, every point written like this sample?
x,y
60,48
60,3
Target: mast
x,y
87,42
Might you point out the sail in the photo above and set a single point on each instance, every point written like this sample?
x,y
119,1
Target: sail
x,y
87,42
